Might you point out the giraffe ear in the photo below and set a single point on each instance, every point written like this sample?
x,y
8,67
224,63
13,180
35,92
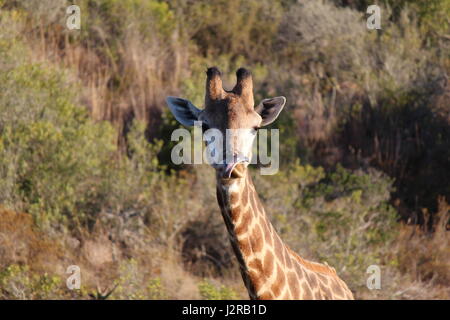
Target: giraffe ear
x,y
269,109
183,110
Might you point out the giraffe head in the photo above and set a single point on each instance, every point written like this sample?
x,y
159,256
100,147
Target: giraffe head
x,y
233,115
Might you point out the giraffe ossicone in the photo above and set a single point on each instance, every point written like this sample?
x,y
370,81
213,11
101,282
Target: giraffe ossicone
x,y
269,268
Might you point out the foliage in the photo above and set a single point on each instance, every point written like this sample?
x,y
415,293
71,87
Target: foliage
x,y
16,282
51,152
215,26
210,292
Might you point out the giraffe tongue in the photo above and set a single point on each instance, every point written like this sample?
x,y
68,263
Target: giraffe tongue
x,y
230,166
229,169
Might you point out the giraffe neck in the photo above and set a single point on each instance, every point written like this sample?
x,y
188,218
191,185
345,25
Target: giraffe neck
x,y
270,270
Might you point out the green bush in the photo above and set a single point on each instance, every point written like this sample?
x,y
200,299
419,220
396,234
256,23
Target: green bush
x,y
208,291
55,162
236,27
51,153
17,282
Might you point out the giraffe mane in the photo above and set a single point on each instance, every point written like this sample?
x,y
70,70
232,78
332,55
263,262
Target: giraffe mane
x,y
313,266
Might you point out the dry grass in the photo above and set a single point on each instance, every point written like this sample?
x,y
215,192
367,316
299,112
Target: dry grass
x,y
425,254
123,79
21,243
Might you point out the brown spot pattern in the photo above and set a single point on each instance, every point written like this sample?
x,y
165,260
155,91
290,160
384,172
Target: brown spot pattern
x,y
268,263
256,279
337,288
256,264
266,295
242,228
293,285
267,234
278,285
313,280
245,247
256,239
306,291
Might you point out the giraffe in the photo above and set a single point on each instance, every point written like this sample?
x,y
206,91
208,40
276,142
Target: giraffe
x,y
269,268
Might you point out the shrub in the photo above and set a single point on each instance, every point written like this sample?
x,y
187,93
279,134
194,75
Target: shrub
x,y
367,98
52,154
209,291
237,27
16,282
133,283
